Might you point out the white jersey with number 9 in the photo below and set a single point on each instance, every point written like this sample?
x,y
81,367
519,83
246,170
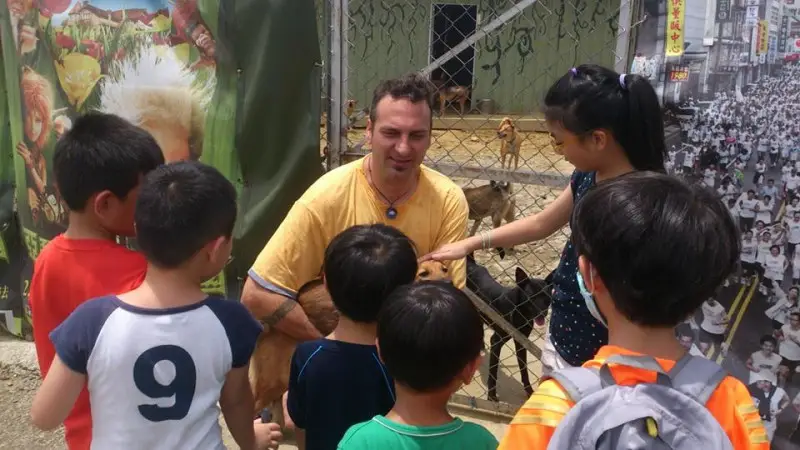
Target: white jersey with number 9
x,y
155,376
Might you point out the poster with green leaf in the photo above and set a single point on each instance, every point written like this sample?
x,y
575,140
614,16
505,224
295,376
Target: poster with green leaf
x,y
177,69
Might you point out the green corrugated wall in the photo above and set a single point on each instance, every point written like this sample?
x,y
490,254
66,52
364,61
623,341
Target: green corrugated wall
x,y
514,65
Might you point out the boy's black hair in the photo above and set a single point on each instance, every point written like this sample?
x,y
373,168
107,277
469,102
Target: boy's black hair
x,y
684,329
181,207
661,246
413,87
767,338
363,265
428,332
102,152
591,97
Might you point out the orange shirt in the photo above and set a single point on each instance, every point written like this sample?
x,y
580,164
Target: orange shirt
x,y
67,273
731,405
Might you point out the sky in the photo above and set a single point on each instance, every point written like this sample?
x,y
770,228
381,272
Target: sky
x,y
150,5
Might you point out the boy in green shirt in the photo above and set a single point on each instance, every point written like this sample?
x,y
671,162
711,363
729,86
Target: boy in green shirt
x,y
430,338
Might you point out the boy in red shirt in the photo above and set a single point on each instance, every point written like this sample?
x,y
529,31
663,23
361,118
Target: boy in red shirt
x,y
98,166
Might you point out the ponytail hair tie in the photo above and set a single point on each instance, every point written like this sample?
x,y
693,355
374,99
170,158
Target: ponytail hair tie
x,y
574,72
622,81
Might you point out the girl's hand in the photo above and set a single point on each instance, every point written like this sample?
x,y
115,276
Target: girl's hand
x,y
450,252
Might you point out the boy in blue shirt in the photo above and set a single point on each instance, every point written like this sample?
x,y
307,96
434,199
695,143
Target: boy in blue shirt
x,y
338,381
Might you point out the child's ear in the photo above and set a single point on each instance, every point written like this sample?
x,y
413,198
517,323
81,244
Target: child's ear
x,y
101,202
469,371
216,248
585,267
378,346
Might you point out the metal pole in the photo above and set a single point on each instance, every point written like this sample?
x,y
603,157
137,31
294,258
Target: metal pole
x,y
623,36
337,40
478,35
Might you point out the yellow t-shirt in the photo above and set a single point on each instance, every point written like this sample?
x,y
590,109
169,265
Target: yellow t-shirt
x,y
436,214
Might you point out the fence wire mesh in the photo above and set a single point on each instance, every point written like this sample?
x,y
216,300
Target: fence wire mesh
x,y
491,62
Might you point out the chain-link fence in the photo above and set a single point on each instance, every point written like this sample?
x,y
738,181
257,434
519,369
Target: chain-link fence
x,y
492,62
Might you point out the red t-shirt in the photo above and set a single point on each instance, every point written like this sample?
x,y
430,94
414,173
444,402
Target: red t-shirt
x,y
67,273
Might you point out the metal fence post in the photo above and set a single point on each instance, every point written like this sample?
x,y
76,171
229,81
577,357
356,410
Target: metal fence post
x,y
337,82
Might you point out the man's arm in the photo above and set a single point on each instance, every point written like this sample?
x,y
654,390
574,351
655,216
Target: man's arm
x,y
454,229
291,258
275,310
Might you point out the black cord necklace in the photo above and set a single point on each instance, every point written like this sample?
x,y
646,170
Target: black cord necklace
x,y
391,211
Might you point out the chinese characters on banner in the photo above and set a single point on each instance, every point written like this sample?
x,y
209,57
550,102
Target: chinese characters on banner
x,y
763,37
679,74
723,10
783,34
675,22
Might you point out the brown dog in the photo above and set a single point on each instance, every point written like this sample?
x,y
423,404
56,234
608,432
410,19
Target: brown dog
x,y
453,94
495,200
510,142
272,358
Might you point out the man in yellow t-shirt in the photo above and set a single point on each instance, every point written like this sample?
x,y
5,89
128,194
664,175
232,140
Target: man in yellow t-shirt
x,y
389,186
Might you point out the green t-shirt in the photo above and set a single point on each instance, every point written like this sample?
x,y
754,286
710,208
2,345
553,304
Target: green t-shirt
x,y
384,434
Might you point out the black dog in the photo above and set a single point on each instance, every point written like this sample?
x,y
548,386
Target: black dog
x,y
522,306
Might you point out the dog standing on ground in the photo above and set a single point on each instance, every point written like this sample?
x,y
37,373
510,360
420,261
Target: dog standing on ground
x,y
453,94
272,358
495,200
523,306
510,143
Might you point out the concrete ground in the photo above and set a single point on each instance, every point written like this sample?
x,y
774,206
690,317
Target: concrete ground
x,y
19,378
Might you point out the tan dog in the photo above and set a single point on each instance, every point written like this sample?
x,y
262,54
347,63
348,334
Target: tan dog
x,y
453,94
272,358
510,142
495,200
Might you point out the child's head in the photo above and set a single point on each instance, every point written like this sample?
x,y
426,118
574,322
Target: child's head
x,y
593,113
430,337
184,219
652,248
363,265
98,165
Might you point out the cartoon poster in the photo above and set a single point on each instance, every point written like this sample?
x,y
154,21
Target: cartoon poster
x,y
149,61
216,80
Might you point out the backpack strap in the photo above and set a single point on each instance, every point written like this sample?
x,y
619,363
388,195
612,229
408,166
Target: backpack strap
x,y
578,382
697,377
647,363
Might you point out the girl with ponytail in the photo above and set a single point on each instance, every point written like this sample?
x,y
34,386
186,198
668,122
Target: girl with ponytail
x,y
606,124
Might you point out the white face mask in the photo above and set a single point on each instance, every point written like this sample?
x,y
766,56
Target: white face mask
x,y
588,298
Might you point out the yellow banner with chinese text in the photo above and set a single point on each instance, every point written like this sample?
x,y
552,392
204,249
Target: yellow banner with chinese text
x,y
675,27
763,37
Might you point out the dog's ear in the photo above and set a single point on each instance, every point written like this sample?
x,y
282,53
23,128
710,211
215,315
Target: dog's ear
x,y
521,277
492,183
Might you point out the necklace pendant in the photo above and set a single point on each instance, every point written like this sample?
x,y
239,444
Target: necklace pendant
x,y
391,213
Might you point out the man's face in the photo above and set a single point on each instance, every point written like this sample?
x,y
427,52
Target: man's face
x,y
686,342
399,138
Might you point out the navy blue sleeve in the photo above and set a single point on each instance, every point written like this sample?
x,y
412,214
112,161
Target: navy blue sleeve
x,y
575,180
74,339
241,328
294,401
